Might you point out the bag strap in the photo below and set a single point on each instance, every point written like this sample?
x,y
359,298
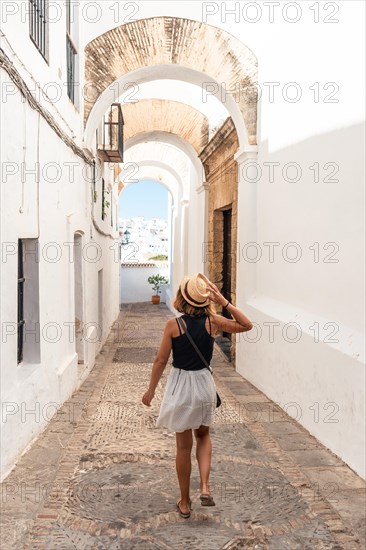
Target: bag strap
x,y
185,331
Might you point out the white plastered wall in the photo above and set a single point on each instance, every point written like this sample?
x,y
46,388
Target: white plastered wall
x,y
52,211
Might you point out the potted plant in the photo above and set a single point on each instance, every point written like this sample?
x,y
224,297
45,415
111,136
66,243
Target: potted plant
x,y
156,281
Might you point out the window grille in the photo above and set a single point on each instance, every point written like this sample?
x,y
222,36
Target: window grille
x,y
21,279
71,54
103,199
38,25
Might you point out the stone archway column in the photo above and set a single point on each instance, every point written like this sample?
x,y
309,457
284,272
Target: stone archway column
x,y
175,250
184,240
246,279
202,244
248,178
178,248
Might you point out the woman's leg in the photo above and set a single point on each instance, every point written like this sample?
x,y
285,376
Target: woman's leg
x,y
203,455
183,464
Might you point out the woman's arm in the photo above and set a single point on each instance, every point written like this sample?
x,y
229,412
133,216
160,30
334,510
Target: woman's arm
x,y
159,364
241,323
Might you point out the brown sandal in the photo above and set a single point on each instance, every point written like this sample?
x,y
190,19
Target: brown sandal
x,y
207,500
185,515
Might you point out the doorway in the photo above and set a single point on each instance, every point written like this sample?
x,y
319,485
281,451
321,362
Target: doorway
x,y
79,298
100,305
224,264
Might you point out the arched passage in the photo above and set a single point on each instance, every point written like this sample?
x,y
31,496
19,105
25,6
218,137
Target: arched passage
x,y
154,119
152,45
159,48
218,88
158,161
175,141
157,154
158,171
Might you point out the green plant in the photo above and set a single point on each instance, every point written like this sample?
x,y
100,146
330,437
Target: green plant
x,y
160,257
156,281
106,204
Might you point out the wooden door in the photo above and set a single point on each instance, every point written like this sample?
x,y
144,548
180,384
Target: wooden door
x,y
226,262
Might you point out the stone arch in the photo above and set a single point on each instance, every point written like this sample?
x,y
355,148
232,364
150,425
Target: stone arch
x,y
173,117
150,49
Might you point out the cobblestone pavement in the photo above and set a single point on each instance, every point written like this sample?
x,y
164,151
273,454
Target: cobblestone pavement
x,y
101,476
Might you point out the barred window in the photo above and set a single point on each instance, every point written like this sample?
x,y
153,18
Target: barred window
x,y
21,321
29,341
68,16
38,25
103,199
71,49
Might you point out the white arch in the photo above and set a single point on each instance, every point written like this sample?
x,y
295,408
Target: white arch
x,y
162,72
151,168
161,155
175,141
167,154
159,148
183,92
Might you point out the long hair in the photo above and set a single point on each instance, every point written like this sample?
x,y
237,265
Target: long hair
x,y
181,305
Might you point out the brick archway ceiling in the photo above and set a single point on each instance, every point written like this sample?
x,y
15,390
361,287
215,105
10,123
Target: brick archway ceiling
x,y
149,115
171,40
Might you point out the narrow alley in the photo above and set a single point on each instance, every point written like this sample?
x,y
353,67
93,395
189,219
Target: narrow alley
x,y
101,476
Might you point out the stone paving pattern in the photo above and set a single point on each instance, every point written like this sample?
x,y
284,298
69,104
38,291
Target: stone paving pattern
x,y
101,476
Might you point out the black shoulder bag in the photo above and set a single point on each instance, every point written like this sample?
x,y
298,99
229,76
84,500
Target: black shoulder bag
x,y
185,330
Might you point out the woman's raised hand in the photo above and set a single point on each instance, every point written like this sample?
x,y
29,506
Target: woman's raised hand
x,y
215,294
240,318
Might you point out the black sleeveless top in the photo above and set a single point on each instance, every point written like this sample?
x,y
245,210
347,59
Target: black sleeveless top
x,y
184,355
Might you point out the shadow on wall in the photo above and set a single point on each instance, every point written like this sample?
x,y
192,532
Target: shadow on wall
x,y
311,193
312,213
134,286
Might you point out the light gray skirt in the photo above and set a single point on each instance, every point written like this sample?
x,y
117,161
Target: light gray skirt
x,y
189,400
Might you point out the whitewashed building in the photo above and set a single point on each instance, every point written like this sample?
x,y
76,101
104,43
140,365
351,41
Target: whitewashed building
x,y
300,218
59,270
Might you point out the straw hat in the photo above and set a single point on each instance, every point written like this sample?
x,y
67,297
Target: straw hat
x,y
194,290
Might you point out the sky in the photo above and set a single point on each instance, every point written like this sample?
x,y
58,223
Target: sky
x,y
146,198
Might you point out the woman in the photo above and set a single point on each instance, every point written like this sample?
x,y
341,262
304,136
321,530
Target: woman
x,y
190,394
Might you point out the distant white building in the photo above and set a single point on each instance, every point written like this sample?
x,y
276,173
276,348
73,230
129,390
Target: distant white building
x,y
145,237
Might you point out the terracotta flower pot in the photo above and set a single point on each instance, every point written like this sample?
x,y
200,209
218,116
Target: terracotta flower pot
x,y
155,299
